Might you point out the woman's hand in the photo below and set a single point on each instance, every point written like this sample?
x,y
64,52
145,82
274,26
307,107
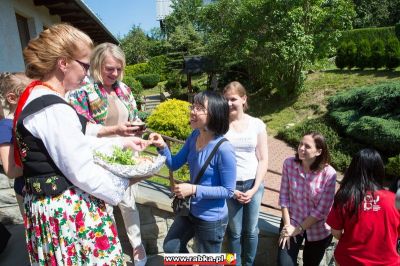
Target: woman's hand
x,y
127,129
284,241
136,143
247,196
287,232
183,190
157,140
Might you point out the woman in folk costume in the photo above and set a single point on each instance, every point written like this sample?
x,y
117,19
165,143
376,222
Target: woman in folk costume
x,y
66,220
109,105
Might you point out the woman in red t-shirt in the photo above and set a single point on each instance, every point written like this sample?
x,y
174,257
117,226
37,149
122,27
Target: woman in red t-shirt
x,y
364,218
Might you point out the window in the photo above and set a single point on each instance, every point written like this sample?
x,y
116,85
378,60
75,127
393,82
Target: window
x,y
23,30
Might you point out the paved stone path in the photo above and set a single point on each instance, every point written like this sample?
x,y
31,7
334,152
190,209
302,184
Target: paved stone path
x,y
278,151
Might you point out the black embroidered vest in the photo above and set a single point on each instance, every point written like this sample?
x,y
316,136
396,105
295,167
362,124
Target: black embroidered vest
x,y
42,176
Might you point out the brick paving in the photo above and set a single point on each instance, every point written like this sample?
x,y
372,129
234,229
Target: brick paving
x,y
278,151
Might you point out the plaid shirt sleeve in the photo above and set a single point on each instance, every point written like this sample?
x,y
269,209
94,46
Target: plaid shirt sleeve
x,y
324,205
284,191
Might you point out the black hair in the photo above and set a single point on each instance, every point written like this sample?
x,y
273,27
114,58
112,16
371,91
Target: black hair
x,y
217,109
364,175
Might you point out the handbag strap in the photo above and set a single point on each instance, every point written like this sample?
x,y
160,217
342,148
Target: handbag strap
x,y
203,169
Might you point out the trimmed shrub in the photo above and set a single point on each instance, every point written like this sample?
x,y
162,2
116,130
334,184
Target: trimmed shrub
x,y
157,64
341,149
137,69
377,54
397,30
383,134
380,100
340,60
393,53
393,166
370,34
171,118
363,54
136,86
173,85
351,54
148,80
344,118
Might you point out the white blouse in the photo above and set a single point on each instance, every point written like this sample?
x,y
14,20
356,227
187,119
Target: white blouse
x,y
59,128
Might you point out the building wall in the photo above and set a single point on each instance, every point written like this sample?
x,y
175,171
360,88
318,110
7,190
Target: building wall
x,y
11,58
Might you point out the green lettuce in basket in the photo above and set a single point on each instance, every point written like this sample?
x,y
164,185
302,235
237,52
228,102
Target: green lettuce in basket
x,y
119,155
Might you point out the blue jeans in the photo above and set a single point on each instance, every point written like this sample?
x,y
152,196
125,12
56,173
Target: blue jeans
x,y
208,236
243,224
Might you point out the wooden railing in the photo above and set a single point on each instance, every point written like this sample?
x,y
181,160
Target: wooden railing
x,y
173,181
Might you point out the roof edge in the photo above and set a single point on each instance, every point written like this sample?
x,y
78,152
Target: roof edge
x,y
88,10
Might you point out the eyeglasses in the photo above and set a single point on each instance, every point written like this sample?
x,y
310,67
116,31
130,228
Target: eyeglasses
x,y
84,65
197,108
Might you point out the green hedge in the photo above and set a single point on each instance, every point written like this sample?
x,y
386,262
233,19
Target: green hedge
x,y
370,34
158,65
341,149
136,88
369,47
380,100
171,118
137,69
148,80
383,134
369,114
393,166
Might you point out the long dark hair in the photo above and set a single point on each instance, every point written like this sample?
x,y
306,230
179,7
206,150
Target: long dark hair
x,y
320,143
218,111
365,174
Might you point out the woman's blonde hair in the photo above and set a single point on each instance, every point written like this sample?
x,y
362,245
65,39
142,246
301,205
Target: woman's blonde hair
x,y
14,82
238,88
99,55
58,41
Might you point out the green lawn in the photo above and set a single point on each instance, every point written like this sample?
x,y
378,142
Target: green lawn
x,y
279,113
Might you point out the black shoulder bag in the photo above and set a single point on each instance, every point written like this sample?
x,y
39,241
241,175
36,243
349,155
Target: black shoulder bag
x,y
181,207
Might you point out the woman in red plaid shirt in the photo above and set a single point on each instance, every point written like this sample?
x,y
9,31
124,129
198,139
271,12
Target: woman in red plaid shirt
x,y
307,193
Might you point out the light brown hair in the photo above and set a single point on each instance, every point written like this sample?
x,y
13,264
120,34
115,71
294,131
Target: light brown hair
x,y
98,56
14,82
58,41
238,88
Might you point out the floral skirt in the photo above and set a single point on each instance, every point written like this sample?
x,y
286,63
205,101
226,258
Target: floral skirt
x,y
72,228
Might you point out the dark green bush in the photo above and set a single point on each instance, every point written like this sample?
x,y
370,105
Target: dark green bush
x,y
344,118
393,53
380,100
351,54
341,149
173,85
171,118
340,59
137,69
370,34
136,86
377,54
383,134
393,166
363,55
157,64
148,80
397,30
